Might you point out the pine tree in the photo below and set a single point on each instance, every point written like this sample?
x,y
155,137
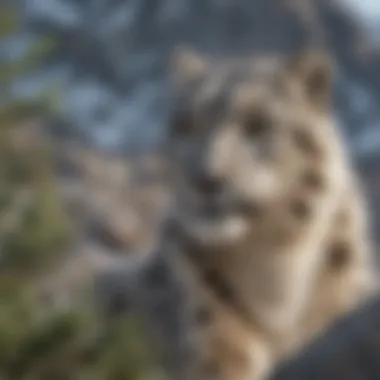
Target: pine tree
x,y
35,343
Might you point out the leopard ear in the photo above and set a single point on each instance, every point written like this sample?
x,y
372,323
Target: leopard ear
x,y
187,65
313,71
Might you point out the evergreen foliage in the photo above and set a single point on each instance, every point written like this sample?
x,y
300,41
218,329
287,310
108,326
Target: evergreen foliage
x,y
37,343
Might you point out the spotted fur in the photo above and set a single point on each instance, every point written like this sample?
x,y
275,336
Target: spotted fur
x,y
271,238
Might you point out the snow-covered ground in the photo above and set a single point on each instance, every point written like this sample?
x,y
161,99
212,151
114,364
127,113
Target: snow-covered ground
x,y
368,11
109,117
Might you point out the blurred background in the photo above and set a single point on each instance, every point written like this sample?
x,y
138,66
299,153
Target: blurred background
x,y
83,185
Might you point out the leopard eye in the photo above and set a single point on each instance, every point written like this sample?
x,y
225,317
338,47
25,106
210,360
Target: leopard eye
x,y
256,124
182,124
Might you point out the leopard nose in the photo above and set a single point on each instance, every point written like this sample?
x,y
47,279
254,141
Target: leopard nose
x,y
209,184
